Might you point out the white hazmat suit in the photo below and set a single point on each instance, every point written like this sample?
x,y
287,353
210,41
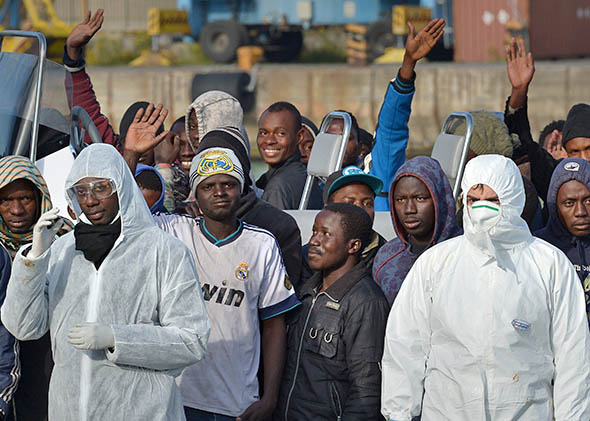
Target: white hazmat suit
x,y
490,325
146,289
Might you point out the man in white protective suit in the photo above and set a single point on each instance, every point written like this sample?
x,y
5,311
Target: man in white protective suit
x,y
489,325
120,297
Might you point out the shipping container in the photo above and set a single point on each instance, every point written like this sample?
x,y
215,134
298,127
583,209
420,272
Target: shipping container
x,y
552,29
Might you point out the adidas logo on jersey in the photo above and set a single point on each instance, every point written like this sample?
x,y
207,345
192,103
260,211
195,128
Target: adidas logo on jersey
x,y
210,292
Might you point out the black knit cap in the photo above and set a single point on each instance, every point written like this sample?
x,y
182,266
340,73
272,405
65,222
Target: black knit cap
x,y
577,123
230,138
129,115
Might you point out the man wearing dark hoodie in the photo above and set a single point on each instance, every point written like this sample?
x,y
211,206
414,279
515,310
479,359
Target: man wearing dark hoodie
x,y
568,228
423,214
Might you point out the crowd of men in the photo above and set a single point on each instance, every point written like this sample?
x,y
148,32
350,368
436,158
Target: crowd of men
x,y
180,289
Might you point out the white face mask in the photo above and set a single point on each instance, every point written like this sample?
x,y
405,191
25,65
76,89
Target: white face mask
x,y
484,215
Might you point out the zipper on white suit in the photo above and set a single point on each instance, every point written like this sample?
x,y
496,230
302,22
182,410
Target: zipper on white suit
x,y
86,362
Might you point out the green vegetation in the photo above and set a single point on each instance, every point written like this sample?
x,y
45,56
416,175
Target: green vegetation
x,y
109,50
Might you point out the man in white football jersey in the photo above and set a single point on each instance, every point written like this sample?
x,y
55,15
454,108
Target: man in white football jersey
x,y
244,281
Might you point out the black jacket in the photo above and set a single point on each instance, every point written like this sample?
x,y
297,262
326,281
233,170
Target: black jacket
x,y
334,350
542,163
282,225
283,185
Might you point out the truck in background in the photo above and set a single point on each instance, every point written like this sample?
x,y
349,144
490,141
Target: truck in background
x,y
221,26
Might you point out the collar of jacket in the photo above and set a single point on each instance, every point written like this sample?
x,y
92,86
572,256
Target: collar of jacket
x,y
273,170
376,242
338,289
247,202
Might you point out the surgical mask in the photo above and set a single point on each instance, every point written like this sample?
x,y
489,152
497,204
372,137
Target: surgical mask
x,y
484,215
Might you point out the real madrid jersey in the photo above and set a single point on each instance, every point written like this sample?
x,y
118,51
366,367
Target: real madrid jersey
x,y
243,280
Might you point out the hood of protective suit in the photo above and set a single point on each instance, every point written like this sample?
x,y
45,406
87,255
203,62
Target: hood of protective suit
x,y
146,289
395,258
103,161
159,205
577,249
215,109
508,230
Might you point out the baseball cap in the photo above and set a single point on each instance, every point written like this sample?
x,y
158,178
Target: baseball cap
x,y
348,175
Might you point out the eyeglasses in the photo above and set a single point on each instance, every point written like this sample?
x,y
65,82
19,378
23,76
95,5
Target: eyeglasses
x,y
100,189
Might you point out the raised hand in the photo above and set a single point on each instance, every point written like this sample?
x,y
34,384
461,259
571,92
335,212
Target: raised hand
x,y
83,33
420,44
519,64
554,146
141,135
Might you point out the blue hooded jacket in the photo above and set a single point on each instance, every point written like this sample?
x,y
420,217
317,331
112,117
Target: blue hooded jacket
x,y
159,205
577,249
395,259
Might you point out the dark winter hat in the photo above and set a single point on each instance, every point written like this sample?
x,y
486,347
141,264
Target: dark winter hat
x,y
351,174
127,118
230,138
577,123
310,125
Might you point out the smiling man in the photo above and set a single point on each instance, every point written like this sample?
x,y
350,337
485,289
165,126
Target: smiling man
x,y
336,336
490,324
279,134
568,228
245,286
423,214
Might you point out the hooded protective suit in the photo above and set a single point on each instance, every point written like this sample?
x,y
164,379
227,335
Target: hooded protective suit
x,y
146,289
394,260
577,249
489,325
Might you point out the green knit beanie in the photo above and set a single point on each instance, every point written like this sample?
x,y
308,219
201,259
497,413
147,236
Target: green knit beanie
x,y
490,134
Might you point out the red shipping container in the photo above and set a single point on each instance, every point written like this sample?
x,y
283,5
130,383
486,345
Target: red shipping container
x,y
552,29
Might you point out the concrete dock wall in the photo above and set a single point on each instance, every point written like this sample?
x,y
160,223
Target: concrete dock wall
x,y
317,89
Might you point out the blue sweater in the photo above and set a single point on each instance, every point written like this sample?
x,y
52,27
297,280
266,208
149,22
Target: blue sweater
x,y
391,137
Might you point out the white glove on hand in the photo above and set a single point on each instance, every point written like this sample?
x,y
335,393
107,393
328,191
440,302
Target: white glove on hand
x,y
44,232
91,336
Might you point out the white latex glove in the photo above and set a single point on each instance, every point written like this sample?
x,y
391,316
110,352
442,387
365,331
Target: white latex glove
x,y
44,232
91,336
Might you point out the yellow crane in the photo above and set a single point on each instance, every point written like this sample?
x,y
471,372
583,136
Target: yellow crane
x,y
40,16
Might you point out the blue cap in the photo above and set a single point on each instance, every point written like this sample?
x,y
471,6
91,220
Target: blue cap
x,y
350,175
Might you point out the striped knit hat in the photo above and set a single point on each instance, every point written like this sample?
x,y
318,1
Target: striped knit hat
x,y
13,168
215,161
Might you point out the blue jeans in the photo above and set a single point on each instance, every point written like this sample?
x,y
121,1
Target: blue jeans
x,y
193,414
